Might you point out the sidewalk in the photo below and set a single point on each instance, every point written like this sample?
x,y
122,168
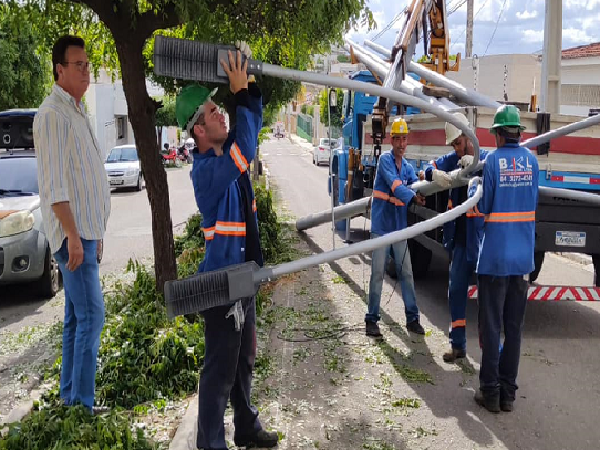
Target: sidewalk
x,y
295,139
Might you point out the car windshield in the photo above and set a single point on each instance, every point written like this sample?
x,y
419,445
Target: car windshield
x,y
325,142
119,154
18,176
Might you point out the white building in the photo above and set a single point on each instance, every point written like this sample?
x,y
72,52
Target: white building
x,y
580,79
107,109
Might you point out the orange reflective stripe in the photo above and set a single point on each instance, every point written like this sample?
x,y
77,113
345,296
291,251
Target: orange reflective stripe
x,y
225,229
395,184
209,233
434,164
388,198
449,204
238,158
459,323
254,205
381,195
518,216
474,212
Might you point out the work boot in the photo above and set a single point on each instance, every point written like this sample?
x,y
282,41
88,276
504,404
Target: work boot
x,y
415,327
262,439
489,402
454,354
372,329
506,403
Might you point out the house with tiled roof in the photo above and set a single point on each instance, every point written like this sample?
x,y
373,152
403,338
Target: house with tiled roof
x,y
580,79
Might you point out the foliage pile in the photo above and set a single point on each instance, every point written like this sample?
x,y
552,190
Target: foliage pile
x,y
69,428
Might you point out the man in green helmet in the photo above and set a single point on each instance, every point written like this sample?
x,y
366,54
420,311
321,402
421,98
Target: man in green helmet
x,y
509,201
225,198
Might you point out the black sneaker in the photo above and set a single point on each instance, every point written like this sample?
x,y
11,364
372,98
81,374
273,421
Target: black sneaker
x,y
415,327
489,402
372,329
454,354
262,439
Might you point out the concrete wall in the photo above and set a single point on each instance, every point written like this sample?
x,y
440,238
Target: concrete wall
x,y
523,72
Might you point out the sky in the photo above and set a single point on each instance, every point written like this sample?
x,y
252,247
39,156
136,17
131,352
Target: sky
x,y
520,25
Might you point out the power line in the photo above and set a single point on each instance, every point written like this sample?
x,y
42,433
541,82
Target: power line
x,y
494,33
389,25
465,29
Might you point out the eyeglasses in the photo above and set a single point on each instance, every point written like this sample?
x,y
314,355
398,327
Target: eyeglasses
x,y
214,112
79,65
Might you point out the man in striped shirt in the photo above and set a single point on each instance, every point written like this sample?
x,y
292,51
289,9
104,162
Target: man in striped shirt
x,y
75,203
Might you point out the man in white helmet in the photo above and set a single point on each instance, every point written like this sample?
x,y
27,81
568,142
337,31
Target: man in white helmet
x,y
461,236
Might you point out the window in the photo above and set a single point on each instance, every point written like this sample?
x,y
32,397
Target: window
x,y
121,125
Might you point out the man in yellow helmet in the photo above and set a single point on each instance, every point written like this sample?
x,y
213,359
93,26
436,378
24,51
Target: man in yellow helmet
x,y
391,198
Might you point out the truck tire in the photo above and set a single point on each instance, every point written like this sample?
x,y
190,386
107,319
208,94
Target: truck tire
x,y
50,281
420,257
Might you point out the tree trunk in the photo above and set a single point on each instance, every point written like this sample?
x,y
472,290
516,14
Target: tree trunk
x,y
141,110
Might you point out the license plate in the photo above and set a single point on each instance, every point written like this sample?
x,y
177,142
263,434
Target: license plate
x,y
116,182
570,238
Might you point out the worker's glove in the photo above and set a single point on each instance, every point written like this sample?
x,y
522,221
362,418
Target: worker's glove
x,y
473,183
243,47
442,179
237,311
466,161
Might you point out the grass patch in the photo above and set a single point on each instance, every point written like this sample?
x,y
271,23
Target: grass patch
x,y
407,403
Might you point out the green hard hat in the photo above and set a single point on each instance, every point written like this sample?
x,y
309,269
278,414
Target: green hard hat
x,y
189,102
507,116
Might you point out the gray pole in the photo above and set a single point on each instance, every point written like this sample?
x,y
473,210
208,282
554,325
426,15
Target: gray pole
x,y
469,42
551,58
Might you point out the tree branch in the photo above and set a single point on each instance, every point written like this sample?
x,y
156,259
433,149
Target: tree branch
x,y
151,21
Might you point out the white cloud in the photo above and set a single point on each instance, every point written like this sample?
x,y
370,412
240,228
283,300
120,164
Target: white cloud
x,y
577,36
533,36
526,15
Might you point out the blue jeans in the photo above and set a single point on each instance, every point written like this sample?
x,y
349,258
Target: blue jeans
x,y
460,274
84,319
502,302
405,276
227,375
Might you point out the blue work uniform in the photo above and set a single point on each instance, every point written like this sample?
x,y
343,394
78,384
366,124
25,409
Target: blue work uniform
x,y
225,198
509,201
461,238
391,198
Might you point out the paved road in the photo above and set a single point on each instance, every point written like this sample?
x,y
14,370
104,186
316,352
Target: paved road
x,y
128,235
559,384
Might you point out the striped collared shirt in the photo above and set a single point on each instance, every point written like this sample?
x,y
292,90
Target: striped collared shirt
x,y
70,168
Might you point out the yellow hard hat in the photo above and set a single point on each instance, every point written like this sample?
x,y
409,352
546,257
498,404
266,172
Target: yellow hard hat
x,y
399,126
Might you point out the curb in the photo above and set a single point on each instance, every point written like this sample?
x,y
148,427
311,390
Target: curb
x,y
185,436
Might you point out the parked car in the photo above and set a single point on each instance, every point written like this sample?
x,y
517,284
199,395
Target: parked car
x,y
123,168
321,151
25,254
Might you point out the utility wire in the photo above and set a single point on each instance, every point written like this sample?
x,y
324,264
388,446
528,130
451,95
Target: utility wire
x,y
465,29
494,33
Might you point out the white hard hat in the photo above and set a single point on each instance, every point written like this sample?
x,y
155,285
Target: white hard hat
x,y
451,131
190,141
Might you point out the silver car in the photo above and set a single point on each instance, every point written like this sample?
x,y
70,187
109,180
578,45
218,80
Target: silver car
x,y
123,168
24,250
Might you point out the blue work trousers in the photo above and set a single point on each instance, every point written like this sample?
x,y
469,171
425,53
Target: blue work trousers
x,y
227,375
405,276
502,302
84,319
461,271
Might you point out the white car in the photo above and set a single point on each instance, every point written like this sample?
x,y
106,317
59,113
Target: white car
x,y
123,168
321,151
